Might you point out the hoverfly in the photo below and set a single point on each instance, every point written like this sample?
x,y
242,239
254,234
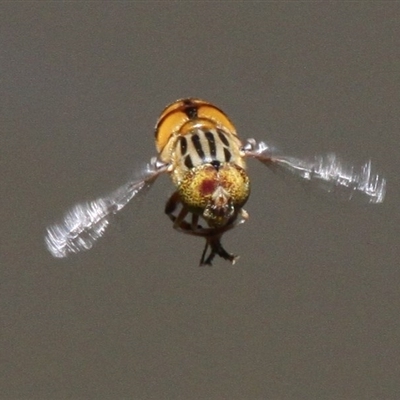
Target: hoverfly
x,y
199,148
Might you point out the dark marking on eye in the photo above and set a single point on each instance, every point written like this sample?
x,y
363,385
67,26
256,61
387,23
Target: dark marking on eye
x,y
207,187
228,154
183,143
211,142
197,145
223,138
188,162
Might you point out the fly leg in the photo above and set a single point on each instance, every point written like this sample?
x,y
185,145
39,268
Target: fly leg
x,y
179,218
183,223
214,242
171,206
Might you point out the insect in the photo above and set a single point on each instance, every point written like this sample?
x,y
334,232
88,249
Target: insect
x,y
199,148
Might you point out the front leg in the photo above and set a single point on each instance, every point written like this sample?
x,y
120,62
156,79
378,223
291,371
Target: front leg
x,y
214,243
180,224
212,235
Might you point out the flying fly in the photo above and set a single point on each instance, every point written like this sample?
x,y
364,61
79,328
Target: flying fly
x,y
199,148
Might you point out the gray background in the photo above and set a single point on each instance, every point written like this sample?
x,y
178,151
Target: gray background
x,y
310,311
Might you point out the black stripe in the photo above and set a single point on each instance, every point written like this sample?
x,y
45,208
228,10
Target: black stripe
x,y
191,112
188,162
190,109
216,164
197,146
228,154
183,143
223,138
211,143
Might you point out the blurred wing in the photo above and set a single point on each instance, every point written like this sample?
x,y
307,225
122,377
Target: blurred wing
x,y
86,222
326,172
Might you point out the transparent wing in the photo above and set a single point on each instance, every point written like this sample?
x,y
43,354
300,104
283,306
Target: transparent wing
x,y
326,172
84,223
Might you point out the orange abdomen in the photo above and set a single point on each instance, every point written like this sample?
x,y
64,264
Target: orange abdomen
x,y
182,116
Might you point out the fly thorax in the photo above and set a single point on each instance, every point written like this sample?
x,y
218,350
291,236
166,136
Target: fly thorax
x,y
199,143
215,191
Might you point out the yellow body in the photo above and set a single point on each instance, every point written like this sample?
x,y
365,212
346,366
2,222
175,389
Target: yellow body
x,y
201,144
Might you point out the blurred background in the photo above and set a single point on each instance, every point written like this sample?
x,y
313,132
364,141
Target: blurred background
x,y
311,309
